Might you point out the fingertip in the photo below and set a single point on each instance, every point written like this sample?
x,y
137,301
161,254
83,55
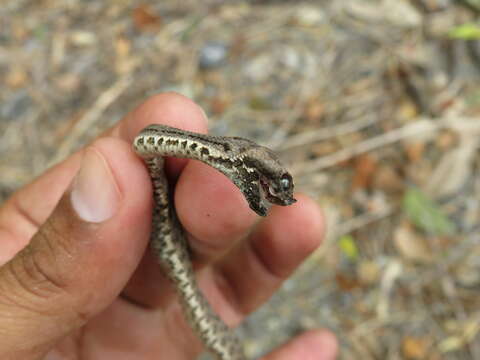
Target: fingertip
x,y
288,235
309,220
130,173
322,341
167,108
119,240
113,246
212,209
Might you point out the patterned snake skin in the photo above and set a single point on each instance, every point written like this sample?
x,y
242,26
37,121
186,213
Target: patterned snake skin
x,y
258,174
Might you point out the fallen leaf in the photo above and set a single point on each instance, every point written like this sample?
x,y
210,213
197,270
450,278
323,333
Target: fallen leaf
x,y
68,82
445,140
451,343
347,282
407,110
145,18
455,168
16,77
469,31
122,46
410,245
314,110
83,38
368,272
414,150
365,168
415,347
392,271
219,104
425,214
387,179
348,247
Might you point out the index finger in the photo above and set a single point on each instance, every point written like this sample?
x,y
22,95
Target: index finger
x,y
170,109
29,207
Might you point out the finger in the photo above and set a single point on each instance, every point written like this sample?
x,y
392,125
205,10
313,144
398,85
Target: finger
x,y
81,257
29,207
203,195
24,212
312,345
213,211
205,201
169,109
256,268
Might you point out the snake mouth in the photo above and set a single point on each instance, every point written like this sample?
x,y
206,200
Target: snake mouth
x,y
273,196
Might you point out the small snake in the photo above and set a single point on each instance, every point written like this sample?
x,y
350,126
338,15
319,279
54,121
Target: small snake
x,y
254,169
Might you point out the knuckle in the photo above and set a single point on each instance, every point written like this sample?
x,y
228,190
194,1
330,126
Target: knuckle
x,y
47,258
35,275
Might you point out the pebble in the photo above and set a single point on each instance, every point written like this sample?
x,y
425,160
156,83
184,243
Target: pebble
x,y
212,55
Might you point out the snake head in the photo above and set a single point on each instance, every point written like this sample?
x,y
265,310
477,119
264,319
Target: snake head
x,y
278,190
274,184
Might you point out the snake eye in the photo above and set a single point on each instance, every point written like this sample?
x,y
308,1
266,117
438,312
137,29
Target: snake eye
x,y
285,182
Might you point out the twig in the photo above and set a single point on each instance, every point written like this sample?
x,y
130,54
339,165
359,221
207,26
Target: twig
x,y
308,137
362,220
420,127
90,117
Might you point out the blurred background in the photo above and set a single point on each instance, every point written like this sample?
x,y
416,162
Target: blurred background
x,y
373,103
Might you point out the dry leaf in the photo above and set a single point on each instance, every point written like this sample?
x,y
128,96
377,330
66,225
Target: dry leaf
x,y
410,245
455,168
414,150
145,18
83,38
393,270
314,110
451,343
445,140
16,77
219,104
467,271
415,347
368,272
396,13
122,46
347,282
324,148
365,168
387,179
407,110
68,82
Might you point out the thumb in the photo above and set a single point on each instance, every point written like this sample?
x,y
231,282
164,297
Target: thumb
x,y
81,257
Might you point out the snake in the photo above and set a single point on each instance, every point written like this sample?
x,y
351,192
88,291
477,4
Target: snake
x,y
258,174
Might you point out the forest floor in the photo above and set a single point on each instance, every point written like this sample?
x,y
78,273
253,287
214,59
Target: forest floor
x,y
374,104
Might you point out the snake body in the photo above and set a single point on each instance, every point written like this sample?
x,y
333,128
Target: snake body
x,y
254,169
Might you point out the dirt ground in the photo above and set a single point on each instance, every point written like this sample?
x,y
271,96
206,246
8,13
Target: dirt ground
x,y
373,104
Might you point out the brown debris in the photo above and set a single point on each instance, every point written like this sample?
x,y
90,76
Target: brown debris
x,y
145,18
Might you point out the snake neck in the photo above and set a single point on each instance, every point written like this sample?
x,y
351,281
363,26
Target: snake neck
x,y
225,155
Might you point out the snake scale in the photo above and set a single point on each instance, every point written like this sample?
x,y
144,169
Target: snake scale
x,y
254,169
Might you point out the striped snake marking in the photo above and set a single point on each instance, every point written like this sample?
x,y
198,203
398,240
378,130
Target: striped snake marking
x,y
254,169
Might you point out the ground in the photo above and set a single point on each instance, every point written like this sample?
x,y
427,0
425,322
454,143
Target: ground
x,y
374,104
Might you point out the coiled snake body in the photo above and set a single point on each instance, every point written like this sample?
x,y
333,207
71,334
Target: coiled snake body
x,y
254,169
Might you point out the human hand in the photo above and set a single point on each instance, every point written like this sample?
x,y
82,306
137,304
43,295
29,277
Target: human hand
x,y
76,281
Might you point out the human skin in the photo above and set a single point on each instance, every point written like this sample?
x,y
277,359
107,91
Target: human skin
x,y
77,281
